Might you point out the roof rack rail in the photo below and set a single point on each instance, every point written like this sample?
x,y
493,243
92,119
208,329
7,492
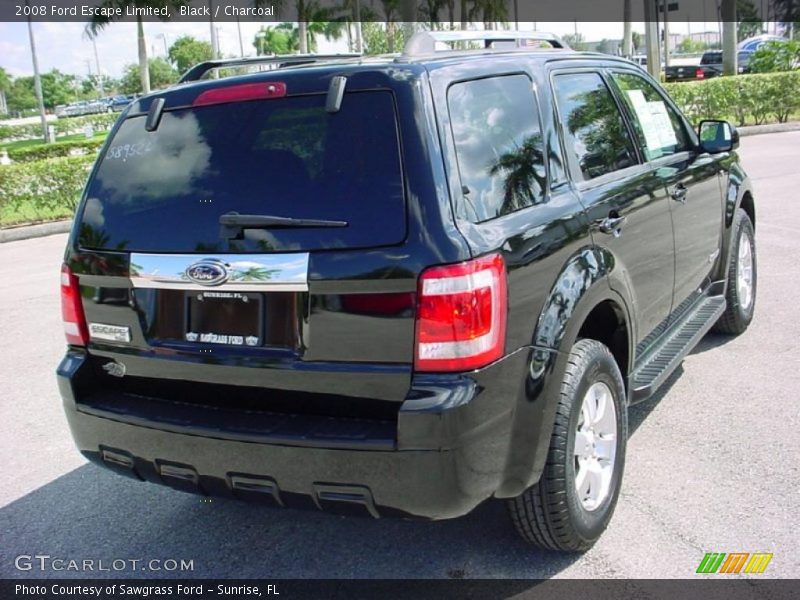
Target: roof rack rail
x,y
424,42
281,60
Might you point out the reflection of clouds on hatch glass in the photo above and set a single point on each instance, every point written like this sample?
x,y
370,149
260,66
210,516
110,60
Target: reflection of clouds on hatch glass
x,y
176,155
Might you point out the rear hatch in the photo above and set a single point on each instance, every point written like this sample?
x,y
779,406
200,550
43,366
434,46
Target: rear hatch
x,y
246,255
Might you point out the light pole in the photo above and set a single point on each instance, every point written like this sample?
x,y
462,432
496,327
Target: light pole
x,y
260,35
37,80
213,30
241,44
163,36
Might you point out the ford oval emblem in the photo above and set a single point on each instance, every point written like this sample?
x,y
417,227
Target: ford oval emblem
x,y
208,272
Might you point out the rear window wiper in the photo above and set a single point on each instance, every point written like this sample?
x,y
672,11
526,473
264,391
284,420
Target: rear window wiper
x,y
233,224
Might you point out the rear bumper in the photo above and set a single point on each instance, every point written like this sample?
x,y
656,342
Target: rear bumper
x,y
448,455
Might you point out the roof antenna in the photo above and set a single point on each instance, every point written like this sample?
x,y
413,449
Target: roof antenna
x,y
154,115
335,94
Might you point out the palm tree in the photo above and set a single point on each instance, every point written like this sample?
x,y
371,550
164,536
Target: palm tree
x,y
253,274
430,10
391,9
99,22
627,30
524,174
5,86
489,11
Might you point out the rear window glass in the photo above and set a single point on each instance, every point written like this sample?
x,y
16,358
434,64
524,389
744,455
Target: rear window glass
x,y
164,191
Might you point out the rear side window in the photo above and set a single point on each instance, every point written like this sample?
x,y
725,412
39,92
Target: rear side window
x,y
594,131
498,143
164,191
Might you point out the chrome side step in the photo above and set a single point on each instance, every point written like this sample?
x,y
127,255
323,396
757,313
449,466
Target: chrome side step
x,y
659,363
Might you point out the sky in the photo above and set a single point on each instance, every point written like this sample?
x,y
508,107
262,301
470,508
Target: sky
x,y
64,46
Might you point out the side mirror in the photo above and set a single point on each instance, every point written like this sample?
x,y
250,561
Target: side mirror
x,y
717,136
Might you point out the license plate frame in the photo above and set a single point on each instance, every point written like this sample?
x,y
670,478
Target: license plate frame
x,y
202,323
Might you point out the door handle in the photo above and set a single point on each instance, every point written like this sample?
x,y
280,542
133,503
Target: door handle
x,y
612,225
678,193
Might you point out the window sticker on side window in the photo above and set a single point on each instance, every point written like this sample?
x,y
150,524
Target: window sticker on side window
x,y
655,123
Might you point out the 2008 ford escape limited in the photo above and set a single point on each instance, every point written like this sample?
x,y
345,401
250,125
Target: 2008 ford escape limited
x,y
400,285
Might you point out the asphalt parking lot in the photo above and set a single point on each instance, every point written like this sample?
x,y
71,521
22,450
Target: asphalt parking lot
x,y
712,460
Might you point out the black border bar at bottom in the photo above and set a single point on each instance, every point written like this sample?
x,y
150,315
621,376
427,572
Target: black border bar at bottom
x,y
714,587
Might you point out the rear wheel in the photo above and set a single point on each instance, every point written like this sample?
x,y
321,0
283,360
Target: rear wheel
x,y
571,505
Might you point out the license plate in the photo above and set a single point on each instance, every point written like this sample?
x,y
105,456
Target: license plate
x,y
227,318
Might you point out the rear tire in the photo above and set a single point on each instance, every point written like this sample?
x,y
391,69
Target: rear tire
x,y
561,512
740,294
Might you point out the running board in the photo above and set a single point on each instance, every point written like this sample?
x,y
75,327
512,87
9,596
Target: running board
x,y
659,363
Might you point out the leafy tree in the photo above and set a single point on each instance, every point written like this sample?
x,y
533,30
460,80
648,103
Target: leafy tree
x,y
379,40
276,40
689,46
750,23
161,72
90,85
285,37
776,56
5,85
99,22
20,95
636,38
186,52
58,88
575,41
5,80
391,12
606,46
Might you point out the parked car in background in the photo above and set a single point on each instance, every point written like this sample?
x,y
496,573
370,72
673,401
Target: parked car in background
x,y
86,107
683,69
711,63
639,59
119,102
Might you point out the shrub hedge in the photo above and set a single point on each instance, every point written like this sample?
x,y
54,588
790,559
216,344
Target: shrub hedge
x,y
64,126
42,151
46,186
745,99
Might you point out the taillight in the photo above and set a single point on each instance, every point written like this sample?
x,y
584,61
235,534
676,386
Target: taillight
x,y
241,93
700,74
461,315
72,309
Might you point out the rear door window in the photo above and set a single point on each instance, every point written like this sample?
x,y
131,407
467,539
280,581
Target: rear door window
x,y
498,141
164,191
595,134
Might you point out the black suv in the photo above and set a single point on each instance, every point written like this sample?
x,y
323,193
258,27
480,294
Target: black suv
x,y
400,285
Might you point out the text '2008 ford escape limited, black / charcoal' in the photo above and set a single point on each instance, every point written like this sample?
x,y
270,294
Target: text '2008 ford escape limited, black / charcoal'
x,y
400,285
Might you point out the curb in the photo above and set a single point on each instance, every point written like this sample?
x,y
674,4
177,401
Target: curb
x,y
771,128
26,232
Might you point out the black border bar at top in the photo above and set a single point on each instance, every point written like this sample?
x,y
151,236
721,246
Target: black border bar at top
x,y
476,11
